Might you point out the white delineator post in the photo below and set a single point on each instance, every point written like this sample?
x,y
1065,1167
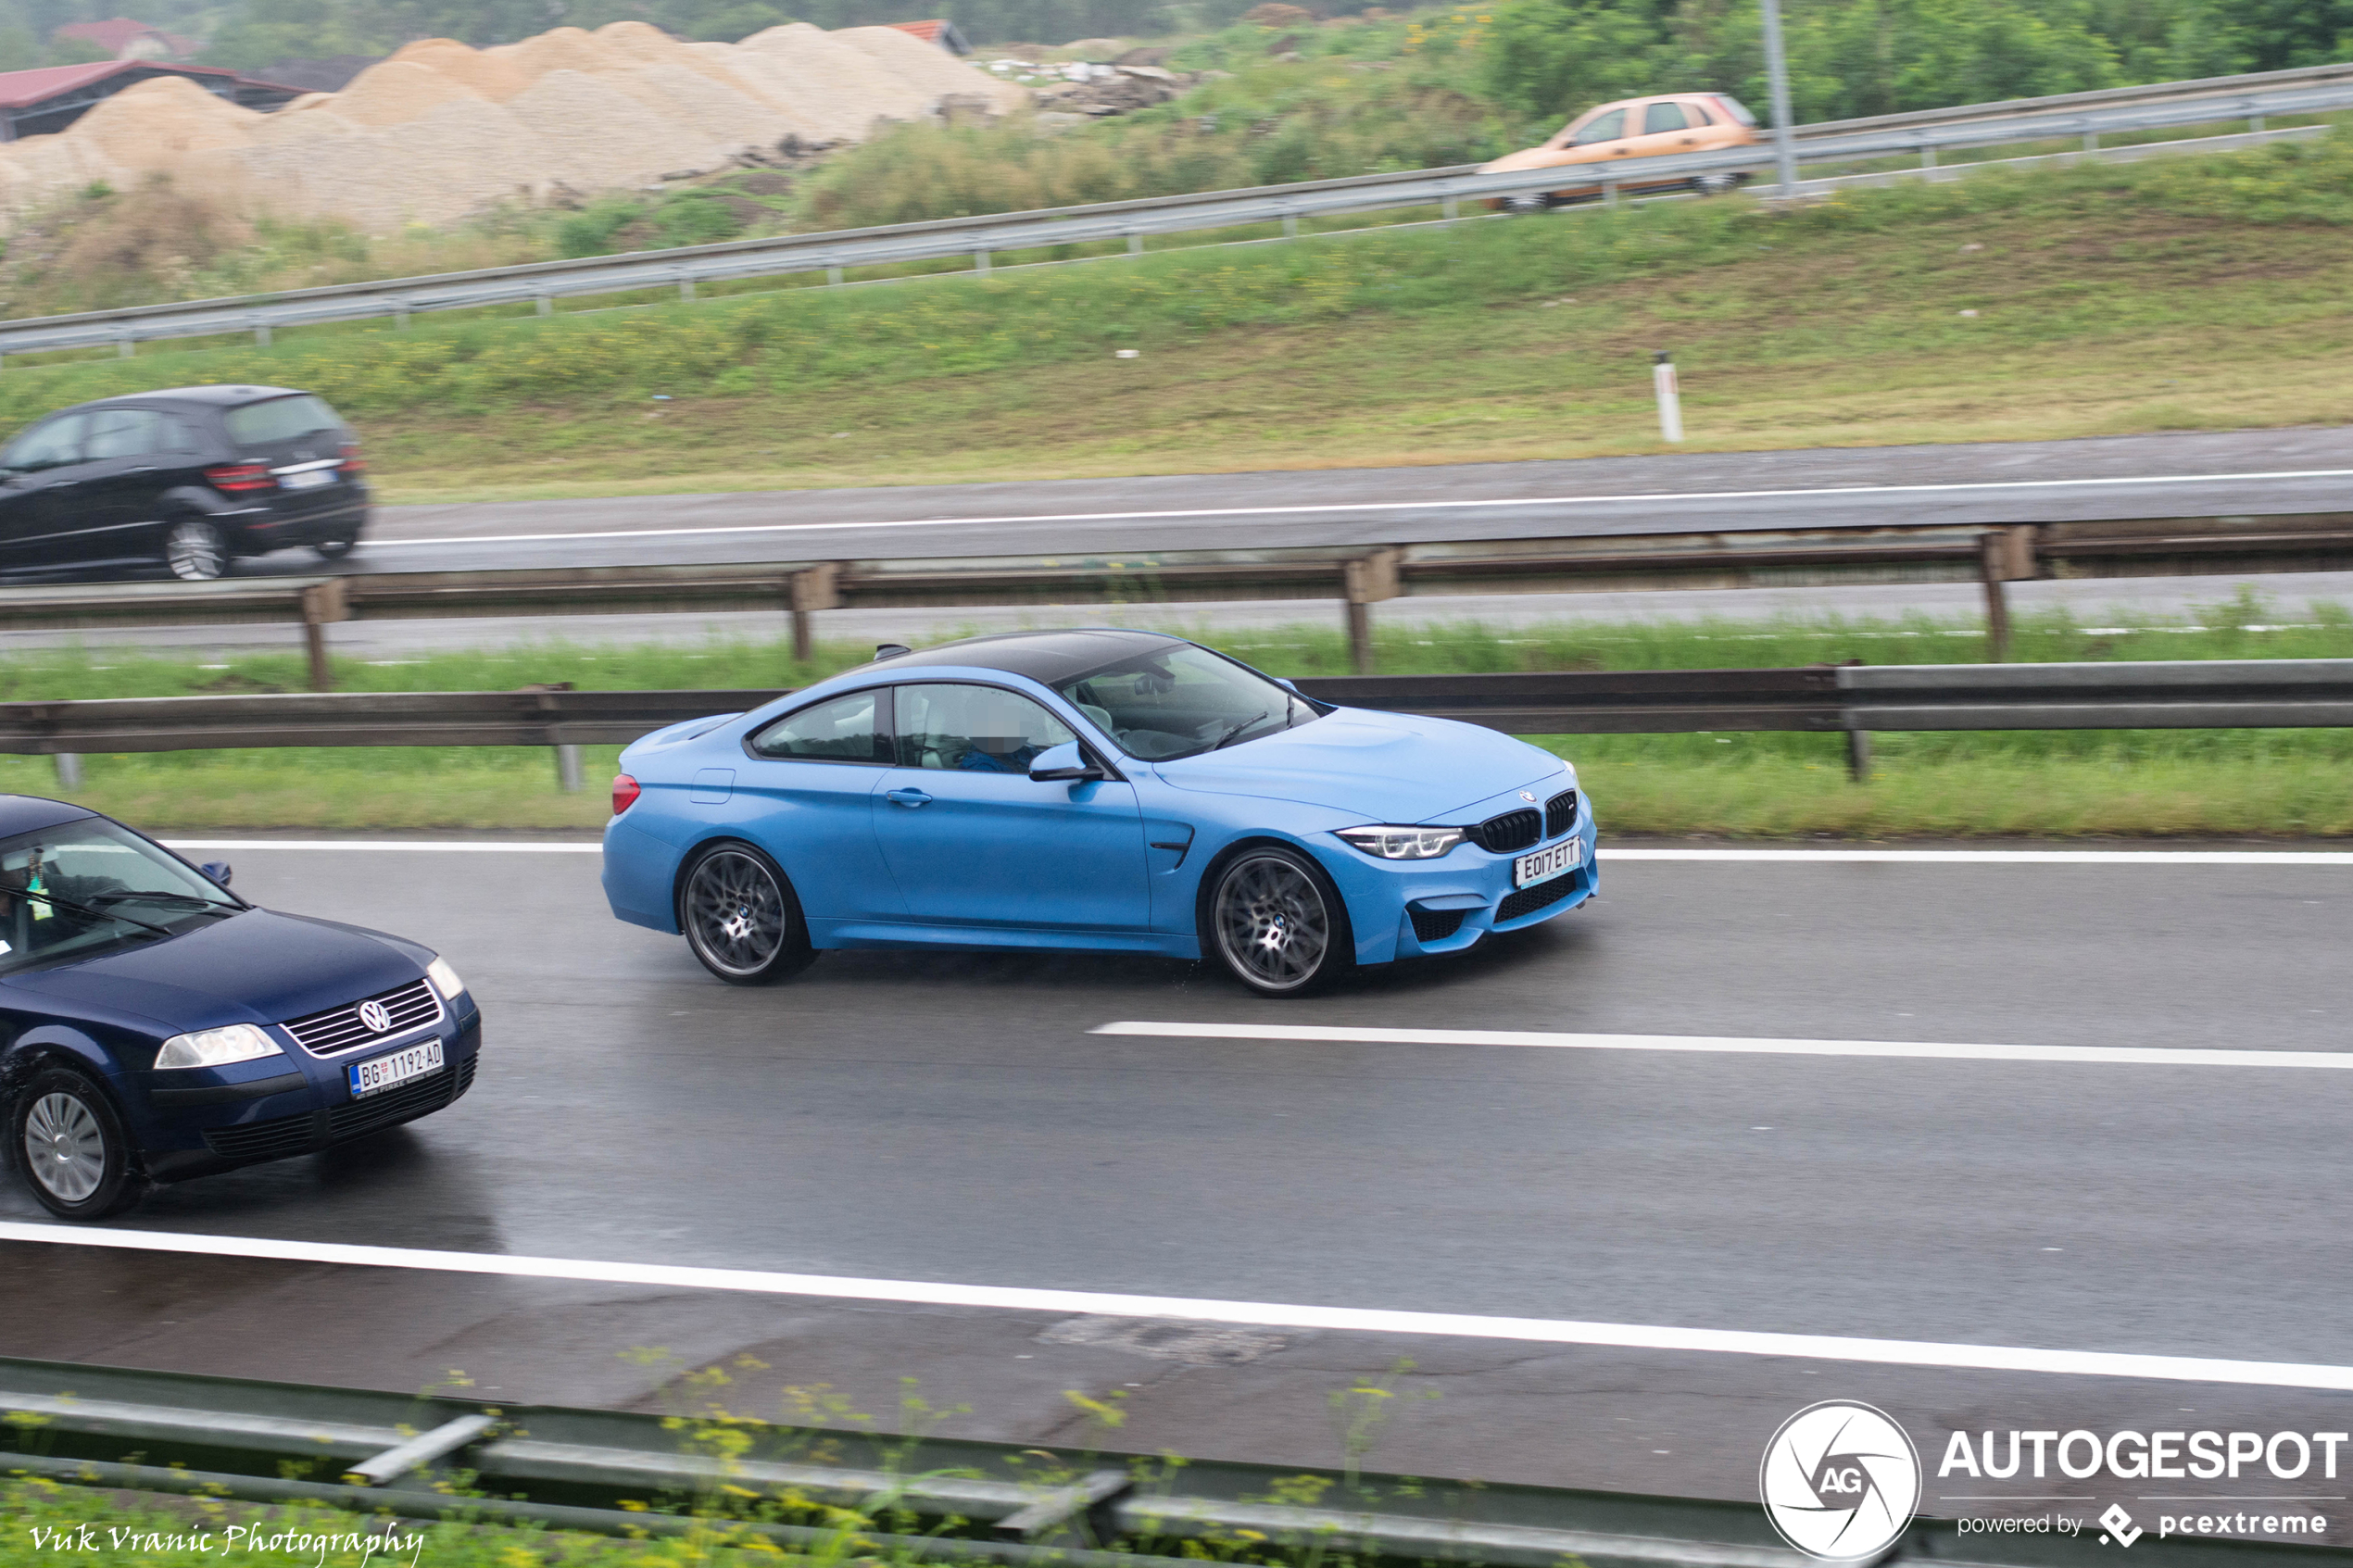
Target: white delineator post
x,y
1670,397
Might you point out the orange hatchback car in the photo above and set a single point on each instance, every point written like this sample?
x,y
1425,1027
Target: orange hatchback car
x,y
1633,128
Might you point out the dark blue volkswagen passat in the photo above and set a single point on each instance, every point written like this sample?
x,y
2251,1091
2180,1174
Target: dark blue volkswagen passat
x,y
155,1027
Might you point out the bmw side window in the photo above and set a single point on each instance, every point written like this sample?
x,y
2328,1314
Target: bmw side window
x,y
972,729
1663,116
124,433
53,445
840,730
1609,128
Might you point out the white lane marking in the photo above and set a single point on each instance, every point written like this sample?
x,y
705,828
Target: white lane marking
x,y
1256,1314
449,847
1329,508
2110,1056
1922,856
2005,856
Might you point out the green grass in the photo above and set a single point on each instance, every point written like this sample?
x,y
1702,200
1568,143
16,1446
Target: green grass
x,y
2180,293
2030,784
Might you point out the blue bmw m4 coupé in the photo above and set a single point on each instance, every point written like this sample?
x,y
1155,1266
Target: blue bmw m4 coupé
x,y
1110,790
155,1027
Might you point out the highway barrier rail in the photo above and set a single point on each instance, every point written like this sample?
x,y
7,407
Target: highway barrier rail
x,y
2253,98
1726,555
1855,701
401,1459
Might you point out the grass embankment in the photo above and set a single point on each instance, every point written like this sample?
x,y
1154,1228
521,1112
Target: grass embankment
x,y
2183,293
2194,782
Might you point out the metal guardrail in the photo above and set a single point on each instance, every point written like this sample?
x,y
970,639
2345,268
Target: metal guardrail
x,y
941,1500
2162,106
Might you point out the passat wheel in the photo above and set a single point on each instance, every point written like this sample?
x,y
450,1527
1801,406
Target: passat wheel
x,y
196,550
1278,923
77,1158
741,918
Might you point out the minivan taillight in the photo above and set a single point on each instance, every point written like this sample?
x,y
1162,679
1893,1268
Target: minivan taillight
x,y
352,461
237,477
624,793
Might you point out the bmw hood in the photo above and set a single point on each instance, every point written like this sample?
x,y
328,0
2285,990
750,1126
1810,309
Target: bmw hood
x,y
259,967
1384,767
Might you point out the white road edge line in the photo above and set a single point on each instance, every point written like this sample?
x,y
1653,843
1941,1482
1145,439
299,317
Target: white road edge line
x,y
1825,856
2105,1056
1326,508
1256,1314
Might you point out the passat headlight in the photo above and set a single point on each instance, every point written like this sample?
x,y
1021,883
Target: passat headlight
x,y
444,980
1404,844
216,1048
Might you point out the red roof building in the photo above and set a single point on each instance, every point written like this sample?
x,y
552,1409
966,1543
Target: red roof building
x,y
35,102
128,39
943,33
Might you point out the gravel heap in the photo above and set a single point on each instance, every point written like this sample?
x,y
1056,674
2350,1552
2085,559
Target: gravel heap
x,y
440,130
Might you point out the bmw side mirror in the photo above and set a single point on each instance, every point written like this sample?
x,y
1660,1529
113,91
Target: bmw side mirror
x,y
1063,764
217,869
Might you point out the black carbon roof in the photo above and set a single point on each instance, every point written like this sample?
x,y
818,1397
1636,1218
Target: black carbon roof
x,y
1048,658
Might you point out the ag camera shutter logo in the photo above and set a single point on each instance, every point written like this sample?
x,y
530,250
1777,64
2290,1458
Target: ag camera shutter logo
x,y
1840,1481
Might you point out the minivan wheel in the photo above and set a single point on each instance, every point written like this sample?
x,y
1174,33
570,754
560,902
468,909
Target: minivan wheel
x,y
333,549
196,550
77,1158
741,918
1278,923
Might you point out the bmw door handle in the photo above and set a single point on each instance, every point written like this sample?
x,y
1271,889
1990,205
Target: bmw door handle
x,y
907,798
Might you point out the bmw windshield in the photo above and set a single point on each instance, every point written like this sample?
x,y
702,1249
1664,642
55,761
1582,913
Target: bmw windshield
x,y
1184,701
86,887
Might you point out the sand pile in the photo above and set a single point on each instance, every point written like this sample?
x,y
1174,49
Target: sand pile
x,y
441,130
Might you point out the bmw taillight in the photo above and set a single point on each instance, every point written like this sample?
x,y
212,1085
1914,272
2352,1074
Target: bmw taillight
x,y
234,477
352,461
624,793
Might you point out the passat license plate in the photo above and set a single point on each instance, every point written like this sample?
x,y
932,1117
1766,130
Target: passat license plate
x,y
1546,864
379,1072
306,479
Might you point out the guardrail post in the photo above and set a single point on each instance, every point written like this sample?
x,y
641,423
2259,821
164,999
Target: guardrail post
x,y
814,588
124,346
400,315
1858,755
68,770
2008,556
980,262
1451,209
568,767
685,288
2091,141
1135,243
261,333
545,304
1369,580
1291,225
1927,158
1609,193
833,277
1670,397
2255,123
322,604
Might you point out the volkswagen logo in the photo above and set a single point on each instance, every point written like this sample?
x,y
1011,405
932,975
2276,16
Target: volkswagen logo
x,y
372,1014
1840,1481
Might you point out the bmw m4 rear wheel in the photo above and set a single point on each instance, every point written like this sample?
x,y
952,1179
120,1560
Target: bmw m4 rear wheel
x,y
1278,923
741,918
77,1158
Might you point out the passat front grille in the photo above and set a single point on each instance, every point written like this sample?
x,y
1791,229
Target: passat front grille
x,y
1435,925
274,1139
1527,900
403,1104
1513,830
341,1029
1560,814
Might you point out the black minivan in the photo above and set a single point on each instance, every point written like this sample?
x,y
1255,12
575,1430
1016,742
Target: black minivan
x,y
191,477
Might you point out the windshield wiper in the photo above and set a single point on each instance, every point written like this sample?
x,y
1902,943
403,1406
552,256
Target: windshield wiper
x,y
1235,734
71,908
185,901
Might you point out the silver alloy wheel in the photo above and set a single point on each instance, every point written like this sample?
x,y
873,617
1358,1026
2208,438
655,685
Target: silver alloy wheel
x,y
1537,202
1272,925
734,912
195,550
65,1147
1718,184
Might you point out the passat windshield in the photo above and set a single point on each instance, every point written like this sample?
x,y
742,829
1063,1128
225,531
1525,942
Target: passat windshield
x,y
1183,702
86,887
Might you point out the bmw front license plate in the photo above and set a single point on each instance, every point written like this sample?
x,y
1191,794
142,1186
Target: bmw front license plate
x,y
379,1072
306,479
1546,864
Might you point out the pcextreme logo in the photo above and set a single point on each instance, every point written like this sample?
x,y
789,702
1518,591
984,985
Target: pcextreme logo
x,y
1840,1481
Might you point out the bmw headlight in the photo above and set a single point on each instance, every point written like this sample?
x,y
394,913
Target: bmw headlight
x,y
444,980
216,1048
1404,843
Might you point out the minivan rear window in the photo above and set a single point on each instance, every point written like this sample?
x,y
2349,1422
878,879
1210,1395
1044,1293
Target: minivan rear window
x,y
280,418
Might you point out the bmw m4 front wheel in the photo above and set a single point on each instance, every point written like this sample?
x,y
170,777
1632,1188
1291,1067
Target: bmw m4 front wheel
x,y
741,918
1278,923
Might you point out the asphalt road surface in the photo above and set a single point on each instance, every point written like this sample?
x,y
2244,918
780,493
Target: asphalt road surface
x,y
959,1121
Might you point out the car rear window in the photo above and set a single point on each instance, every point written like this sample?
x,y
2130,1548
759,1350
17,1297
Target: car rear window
x,y
1737,109
280,418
